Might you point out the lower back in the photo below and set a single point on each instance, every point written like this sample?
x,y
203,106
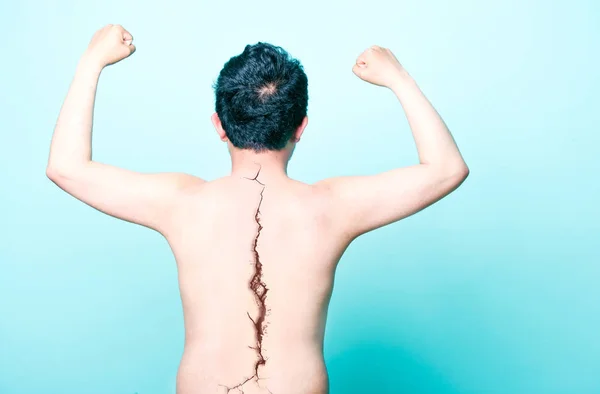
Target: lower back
x,y
289,369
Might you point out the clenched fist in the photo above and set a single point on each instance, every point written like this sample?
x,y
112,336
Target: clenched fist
x,y
109,45
378,66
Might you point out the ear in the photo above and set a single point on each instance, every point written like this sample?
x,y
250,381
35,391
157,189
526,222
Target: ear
x,y
218,126
296,136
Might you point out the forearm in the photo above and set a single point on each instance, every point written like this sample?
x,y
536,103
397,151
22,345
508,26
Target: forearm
x,y
71,142
433,139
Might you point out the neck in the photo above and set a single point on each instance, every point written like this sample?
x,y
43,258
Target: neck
x,y
247,163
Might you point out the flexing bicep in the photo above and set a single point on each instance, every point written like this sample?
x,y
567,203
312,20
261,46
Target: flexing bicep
x,y
364,203
145,199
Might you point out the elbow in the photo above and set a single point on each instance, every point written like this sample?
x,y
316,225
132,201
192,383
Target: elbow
x,y
452,173
62,172
58,173
462,171
458,173
453,169
52,173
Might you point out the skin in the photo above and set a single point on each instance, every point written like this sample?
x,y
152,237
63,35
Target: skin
x,y
219,231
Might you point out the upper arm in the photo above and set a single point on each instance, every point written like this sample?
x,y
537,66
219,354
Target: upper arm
x,y
145,199
364,203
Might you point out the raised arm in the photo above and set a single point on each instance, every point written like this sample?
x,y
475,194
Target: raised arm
x,y
145,199
364,203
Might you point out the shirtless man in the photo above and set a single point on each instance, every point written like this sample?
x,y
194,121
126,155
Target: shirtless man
x,y
256,251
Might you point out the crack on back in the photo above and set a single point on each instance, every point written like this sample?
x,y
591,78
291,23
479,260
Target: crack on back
x,y
260,290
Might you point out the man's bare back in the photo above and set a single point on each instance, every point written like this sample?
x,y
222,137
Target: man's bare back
x,y
256,264
256,251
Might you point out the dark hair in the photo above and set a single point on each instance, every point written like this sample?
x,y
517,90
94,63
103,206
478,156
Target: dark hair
x,y
261,97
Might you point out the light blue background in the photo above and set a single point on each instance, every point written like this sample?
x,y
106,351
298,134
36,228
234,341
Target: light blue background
x,y
493,290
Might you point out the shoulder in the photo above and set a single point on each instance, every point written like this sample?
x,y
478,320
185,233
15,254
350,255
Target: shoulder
x,y
183,184
184,181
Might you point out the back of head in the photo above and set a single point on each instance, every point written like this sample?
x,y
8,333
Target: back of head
x,y
261,97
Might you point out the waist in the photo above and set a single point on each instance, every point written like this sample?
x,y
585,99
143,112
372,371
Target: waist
x,y
273,347
220,334
293,367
